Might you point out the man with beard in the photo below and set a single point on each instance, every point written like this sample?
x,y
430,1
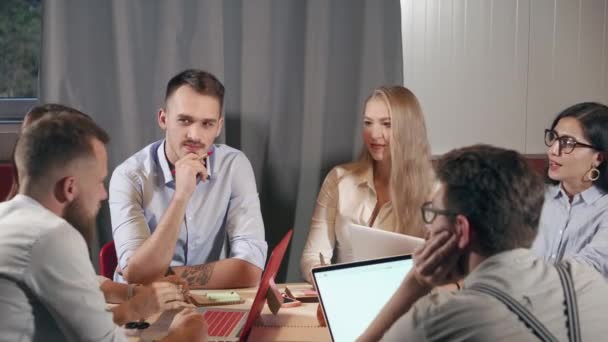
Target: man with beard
x,y
48,288
481,220
185,205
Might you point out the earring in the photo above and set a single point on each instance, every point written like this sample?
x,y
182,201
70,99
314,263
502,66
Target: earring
x,y
593,174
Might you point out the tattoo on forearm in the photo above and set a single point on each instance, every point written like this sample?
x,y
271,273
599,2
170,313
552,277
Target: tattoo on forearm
x,y
198,275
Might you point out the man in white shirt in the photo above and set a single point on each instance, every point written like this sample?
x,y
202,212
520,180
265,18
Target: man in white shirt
x,y
481,221
185,205
48,288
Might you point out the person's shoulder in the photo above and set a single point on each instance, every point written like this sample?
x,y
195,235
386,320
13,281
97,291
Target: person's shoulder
x,y
230,157
586,277
442,305
346,171
141,163
35,225
25,211
224,151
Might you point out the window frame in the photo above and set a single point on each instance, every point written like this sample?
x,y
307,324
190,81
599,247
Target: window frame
x,y
12,110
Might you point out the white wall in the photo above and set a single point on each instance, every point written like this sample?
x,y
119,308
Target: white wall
x,y
498,71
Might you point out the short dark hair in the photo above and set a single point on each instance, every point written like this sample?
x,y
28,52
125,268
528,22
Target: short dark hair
x,y
201,81
497,191
593,118
54,141
33,115
37,112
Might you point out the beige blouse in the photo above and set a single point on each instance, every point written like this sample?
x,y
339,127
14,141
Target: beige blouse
x,y
344,198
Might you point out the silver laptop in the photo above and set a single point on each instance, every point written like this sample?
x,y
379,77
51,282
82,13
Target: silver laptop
x,y
371,243
353,294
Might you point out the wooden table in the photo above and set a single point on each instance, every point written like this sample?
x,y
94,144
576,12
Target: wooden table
x,y
269,327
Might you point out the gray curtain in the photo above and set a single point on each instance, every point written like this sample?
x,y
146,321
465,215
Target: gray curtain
x,y
296,74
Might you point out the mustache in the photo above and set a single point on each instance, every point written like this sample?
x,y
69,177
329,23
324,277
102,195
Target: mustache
x,y
193,143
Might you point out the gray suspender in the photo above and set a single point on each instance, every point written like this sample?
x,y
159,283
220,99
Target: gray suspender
x,y
528,318
574,328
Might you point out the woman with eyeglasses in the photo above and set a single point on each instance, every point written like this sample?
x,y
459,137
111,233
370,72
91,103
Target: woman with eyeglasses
x,y
383,189
574,221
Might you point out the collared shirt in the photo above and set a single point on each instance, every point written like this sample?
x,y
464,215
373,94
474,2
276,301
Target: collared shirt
x,y
48,288
345,197
468,315
577,230
223,217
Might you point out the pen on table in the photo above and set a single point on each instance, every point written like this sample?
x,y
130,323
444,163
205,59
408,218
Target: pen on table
x,y
322,259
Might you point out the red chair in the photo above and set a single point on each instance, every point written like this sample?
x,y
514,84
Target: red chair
x,y
6,179
107,260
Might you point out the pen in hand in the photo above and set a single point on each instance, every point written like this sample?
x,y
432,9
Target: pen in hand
x,y
322,259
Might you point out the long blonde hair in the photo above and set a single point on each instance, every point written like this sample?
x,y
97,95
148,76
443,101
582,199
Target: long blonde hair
x,y
412,174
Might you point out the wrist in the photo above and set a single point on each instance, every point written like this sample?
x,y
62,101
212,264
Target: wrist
x,y
181,197
416,284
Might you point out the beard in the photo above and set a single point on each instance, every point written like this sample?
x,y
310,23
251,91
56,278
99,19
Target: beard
x,y
81,220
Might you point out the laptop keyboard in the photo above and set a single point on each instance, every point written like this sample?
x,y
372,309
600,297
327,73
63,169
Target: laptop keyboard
x,y
222,323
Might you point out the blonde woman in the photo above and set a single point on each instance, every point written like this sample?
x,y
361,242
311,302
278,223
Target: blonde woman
x,y
383,189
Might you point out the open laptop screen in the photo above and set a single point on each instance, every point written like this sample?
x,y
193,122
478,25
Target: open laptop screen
x,y
352,294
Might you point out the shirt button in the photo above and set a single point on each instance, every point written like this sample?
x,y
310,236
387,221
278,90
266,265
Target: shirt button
x,y
561,232
553,256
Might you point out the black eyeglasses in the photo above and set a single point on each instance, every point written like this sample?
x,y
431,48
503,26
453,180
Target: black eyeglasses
x,y
567,144
429,213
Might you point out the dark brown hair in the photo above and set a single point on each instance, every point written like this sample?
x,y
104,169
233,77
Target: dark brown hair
x,y
593,118
201,81
54,141
33,115
497,191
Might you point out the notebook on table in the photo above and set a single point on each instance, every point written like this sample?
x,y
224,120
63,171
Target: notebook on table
x,y
371,243
365,286
231,324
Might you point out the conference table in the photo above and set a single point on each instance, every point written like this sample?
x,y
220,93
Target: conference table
x,y
297,323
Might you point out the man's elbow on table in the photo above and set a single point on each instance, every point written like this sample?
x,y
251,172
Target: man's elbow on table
x,y
136,274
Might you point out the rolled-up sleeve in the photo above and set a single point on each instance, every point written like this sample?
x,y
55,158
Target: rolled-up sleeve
x,y
322,236
244,224
129,226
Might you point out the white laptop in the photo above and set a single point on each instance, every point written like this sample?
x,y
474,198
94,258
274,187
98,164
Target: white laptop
x,y
371,243
353,294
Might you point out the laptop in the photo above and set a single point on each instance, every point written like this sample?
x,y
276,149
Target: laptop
x,y
364,285
372,243
231,325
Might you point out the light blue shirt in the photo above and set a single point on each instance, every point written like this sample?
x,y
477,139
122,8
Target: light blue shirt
x,y
575,230
223,218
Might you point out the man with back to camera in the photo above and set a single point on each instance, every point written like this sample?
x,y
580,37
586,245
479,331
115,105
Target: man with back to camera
x,y
187,206
48,288
481,221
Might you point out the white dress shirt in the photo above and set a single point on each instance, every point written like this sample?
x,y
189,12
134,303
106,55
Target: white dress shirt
x,y
48,288
345,197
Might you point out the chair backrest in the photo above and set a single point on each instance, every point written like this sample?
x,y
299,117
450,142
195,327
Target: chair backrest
x,y
6,179
107,260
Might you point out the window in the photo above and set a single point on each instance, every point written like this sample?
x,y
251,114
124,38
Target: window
x,y
20,42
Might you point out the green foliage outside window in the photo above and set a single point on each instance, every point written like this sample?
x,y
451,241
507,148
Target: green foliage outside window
x,y
20,36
